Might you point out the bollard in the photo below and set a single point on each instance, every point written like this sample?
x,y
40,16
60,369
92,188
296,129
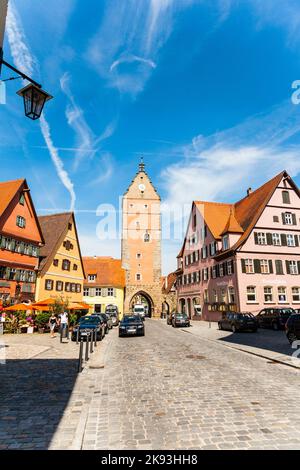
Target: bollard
x,y
91,340
95,343
87,346
77,336
80,355
61,333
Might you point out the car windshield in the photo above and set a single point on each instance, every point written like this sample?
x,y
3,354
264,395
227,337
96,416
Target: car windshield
x,y
130,318
89,320
286,311
245,315
139,309
181,315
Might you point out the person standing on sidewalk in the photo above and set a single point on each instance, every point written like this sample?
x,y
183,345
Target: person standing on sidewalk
x,y
64,323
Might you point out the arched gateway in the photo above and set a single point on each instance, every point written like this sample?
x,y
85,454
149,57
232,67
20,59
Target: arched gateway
x,y
145,299
141,243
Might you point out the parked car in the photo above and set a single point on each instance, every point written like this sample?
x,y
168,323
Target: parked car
x,y
238,321
170,317
274,318
105,319
112,311
292,327
131,325
180,319
88,322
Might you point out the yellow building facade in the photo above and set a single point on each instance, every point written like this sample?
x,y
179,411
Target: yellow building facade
x,y
104,284
61,271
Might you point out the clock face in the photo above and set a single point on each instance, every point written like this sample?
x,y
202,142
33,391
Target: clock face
x,y
142,187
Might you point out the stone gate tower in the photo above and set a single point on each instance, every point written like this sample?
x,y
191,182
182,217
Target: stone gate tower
x,y
141,244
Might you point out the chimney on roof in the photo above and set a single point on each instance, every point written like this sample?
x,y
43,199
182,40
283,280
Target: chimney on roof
x,y
249,191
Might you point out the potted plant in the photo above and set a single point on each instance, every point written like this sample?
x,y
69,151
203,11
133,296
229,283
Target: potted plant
x,y
41,321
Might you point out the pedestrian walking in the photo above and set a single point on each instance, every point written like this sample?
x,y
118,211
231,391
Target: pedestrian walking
x,y
52,324
64,323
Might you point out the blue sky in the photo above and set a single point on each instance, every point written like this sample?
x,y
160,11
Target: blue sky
x,y
202,89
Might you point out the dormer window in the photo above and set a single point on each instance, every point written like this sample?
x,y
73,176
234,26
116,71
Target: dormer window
x,y
92,277
225,242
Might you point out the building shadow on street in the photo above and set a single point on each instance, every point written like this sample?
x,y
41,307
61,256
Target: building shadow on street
x,y
33,396
269,340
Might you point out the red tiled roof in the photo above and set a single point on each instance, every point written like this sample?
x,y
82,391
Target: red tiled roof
x,y
169,282
109,271
8,190
242,216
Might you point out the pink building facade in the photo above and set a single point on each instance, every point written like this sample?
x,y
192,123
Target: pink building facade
x,y
243,256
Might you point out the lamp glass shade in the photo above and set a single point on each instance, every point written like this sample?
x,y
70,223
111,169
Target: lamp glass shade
x,y
34,100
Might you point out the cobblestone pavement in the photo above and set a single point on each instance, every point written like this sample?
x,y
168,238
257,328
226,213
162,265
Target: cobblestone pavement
x,y
270,344
167,390
171,389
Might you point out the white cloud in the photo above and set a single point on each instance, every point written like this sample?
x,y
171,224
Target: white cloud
x,y
25,61
223,164
132,38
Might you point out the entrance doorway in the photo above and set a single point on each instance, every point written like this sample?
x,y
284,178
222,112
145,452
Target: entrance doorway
x,y
144,299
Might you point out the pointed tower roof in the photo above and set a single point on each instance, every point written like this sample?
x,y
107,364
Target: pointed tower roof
x,y
232,225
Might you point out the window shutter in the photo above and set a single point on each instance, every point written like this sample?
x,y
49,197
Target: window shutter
x,y
298,265
269,239
257,268
255,238
294,219
217,271
283,239
278,266
270,266
211,272
232,266
296,240
243,265
287,263
283,218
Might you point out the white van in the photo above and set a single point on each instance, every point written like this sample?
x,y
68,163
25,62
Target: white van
x,y
139,309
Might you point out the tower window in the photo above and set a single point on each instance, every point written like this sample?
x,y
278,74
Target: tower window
x,y
138,277
138,255
147,237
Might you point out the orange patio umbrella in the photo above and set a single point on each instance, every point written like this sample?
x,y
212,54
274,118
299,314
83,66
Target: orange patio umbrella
x,y
18,307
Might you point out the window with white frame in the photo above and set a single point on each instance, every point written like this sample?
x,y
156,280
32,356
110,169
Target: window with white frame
x,y
261,238
251,294
214,272
86,291
229,268
213,248
21,222
205,274
110,291
223,295
293,267
205,296
296,294
264,266
249,266
92,277
204,251
225,241
98,291
288,218
215,296
282,298
231,295
290,239
276,239
268,294
221,270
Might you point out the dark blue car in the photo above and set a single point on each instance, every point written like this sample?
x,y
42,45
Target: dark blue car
x,y
88,322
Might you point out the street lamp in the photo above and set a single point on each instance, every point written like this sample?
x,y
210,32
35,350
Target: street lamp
x,y
33,95
34,100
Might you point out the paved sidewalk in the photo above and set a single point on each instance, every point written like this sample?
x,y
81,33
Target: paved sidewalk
x,y
272,345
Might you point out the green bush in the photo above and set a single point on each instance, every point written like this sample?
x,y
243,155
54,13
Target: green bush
x,y
42,319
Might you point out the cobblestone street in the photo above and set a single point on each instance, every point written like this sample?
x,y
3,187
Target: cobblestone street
x,y
167,390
